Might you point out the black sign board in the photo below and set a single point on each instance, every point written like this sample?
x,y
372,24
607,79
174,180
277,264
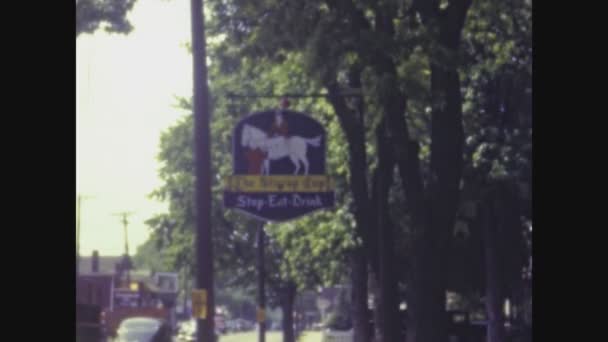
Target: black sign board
x,y
279,166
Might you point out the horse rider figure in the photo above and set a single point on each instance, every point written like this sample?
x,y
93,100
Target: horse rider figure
x,y
279,126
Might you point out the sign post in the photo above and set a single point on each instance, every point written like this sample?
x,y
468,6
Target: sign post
x,y
260,315
279,175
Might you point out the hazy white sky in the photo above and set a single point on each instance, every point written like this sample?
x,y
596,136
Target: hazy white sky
x,y
125,95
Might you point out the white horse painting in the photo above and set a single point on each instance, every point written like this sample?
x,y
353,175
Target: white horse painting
x,y
294,147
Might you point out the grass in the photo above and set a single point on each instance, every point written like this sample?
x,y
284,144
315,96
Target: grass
x,y
252,336
310,336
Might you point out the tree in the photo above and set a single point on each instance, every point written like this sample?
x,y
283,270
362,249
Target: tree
x,y
498,157
109,14
406,178
147,257
342,40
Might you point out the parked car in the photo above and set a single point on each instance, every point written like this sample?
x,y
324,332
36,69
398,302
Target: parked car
x,y
143,329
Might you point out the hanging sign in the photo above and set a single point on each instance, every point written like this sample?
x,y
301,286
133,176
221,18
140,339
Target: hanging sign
x,y
279,166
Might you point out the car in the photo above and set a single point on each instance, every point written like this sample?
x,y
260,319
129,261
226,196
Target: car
x,y
143,329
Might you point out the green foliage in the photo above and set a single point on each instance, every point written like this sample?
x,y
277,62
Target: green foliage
x,y
497,112
111,15
273,47
239,302
314,247
147,257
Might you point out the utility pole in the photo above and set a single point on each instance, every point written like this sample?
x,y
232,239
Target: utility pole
x,y
125,223
202,172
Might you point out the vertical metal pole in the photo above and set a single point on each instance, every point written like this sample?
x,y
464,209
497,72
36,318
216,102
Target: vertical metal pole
x,y
261,291
186,292
202,200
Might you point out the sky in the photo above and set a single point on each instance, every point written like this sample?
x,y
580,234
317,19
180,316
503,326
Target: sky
x,y
125,96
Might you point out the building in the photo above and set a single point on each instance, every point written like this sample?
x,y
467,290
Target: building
x,y
110,284
95,285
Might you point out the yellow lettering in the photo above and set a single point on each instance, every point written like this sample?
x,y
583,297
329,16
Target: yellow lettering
x,y
257,183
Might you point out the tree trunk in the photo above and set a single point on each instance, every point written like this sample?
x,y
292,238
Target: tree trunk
x,y
388,308
352,124
360,311
433,213
430,279
374,287
428,298
287,306
390,323
494,290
